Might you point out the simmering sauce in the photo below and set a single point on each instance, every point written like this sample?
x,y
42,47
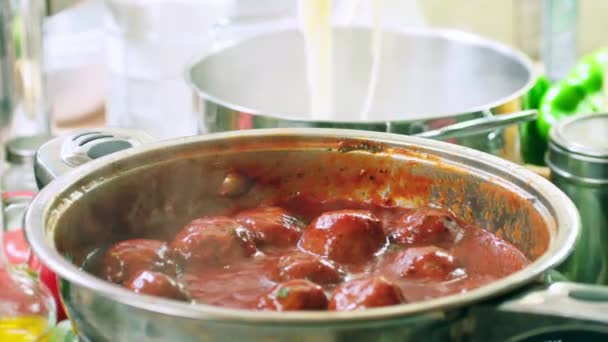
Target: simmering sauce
x,y
301,254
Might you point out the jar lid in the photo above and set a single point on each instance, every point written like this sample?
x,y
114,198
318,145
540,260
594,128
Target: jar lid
x,y
579,148
586,135
21,150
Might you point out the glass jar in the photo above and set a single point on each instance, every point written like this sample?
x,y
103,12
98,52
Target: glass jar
x,y
27,307
32,115
18,175
559,30
148,46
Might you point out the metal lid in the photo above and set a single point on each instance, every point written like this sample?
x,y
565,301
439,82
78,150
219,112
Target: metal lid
x,y
579,148
586,135
21,150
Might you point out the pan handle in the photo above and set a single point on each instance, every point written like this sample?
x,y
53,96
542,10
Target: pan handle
x,y
478,126
65,153
564,299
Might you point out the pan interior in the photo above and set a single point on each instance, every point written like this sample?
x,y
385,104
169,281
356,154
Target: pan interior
x,y
156,198
422,75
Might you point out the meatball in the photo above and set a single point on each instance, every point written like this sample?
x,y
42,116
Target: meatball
x,y
346,236
424,226
155,284
235,185
212,241
306,266
424,262
365,293
126,258
294,295
272,226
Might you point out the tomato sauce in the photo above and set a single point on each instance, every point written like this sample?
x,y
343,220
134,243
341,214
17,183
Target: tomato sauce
x,y
304,254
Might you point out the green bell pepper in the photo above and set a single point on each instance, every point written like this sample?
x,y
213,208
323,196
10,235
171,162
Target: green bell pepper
x,y
532,98
579,93
533,147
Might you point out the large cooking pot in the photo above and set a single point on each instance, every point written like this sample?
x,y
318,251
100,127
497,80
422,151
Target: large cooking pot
x,y
148,190
428,78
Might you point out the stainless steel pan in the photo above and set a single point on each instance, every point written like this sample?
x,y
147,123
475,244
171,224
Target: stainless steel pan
x,y
149,190
429,78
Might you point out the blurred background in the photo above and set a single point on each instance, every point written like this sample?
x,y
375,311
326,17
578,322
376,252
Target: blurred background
x,y
93,70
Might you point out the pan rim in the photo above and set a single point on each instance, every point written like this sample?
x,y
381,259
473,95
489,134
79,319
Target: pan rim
x,y
560,245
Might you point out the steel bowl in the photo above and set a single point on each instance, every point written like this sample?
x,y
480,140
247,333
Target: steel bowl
x,y
150,190
428,79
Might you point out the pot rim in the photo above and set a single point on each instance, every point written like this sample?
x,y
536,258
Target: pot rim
x,y
560,245
439,33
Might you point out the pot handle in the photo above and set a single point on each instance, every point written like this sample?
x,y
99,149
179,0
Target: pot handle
x,y
564,299
480,125
67,152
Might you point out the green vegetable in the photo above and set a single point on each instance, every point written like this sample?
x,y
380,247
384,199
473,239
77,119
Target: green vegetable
x,y
579,93
283,293
533,147
533,97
